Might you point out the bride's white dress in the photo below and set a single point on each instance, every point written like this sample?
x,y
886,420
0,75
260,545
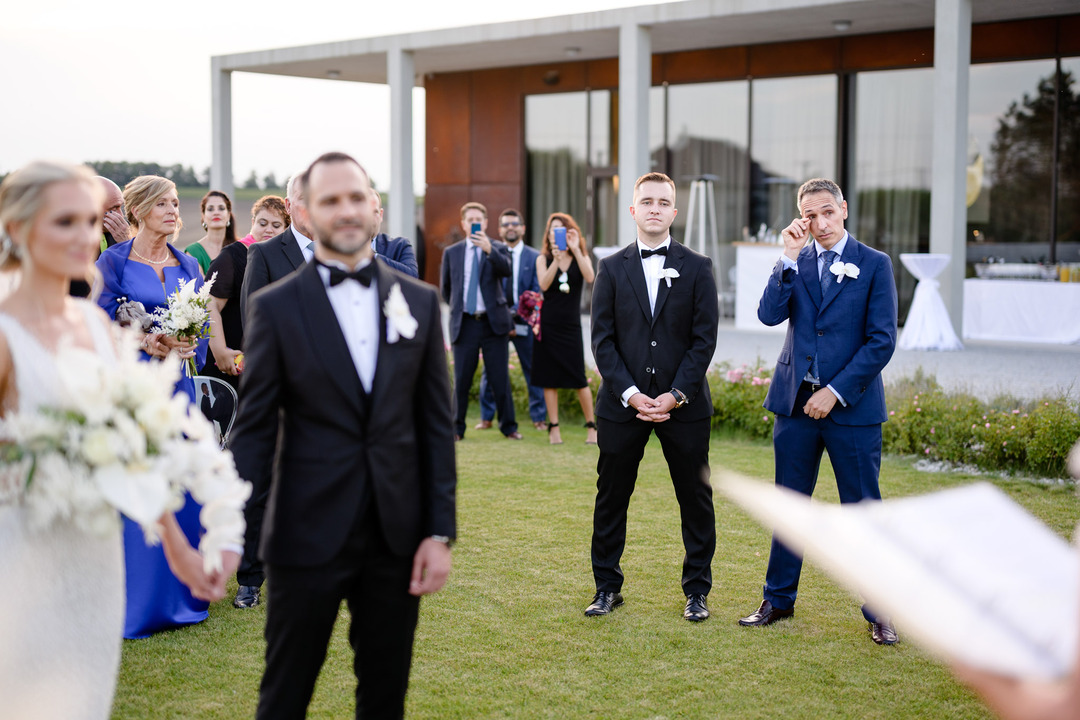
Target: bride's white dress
x,y
61,588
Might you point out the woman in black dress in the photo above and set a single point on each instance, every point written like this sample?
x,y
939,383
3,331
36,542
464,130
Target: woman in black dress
x,y
559,353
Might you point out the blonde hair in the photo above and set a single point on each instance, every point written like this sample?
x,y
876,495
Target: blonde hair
x,y
23,193
140,196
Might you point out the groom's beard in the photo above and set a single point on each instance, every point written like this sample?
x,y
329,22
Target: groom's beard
x,y
346,237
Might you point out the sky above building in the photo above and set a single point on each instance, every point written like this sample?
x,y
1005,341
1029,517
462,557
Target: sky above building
x,y
130,81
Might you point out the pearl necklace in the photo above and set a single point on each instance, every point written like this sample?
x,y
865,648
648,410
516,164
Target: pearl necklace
x,y
153,262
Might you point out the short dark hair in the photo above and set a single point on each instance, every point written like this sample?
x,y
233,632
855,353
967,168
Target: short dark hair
x,y
326,159
512,213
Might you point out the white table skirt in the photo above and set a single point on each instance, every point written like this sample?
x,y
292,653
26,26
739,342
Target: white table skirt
x,y
928,326
1022,311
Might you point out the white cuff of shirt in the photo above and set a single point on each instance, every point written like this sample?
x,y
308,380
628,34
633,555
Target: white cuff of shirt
x,y
838,395
789,264
629,393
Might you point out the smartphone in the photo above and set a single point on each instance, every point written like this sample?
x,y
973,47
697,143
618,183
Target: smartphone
x,y
477,228
560,238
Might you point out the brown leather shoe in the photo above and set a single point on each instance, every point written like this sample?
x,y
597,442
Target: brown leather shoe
x,y
540,425
883,633
513,436
482,425
765,615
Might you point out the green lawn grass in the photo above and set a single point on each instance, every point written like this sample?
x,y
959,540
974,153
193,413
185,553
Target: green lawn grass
x,y
507,637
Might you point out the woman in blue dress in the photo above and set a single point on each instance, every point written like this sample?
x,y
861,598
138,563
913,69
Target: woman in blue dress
x,y
148,269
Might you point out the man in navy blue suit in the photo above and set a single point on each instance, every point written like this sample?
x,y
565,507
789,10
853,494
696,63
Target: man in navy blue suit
x,y
479,317
839,298
522,278
395,252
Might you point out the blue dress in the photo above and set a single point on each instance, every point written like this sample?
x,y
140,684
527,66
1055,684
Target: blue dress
x,y
156,600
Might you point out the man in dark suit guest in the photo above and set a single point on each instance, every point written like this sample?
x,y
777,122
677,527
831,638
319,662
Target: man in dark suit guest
x,y
395,252
349,353
268,262
839,299
479,316
522,278
654,323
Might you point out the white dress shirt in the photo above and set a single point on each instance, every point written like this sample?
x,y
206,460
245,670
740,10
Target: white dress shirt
x,y
470,249
305,244
515,256
357,310
651,266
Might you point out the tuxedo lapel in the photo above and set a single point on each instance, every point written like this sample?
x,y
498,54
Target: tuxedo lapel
x,y
809,275
674,260
852,254
325,336
291,249
631,262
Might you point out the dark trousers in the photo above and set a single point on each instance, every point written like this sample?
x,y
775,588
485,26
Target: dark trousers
x,y
303,605
798,442
686,449
523,342
476,335
251,570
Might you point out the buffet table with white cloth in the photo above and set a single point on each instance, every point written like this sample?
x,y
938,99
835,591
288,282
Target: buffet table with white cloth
x,y
754,263
1022,311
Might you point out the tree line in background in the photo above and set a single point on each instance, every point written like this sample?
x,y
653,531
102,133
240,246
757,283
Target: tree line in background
x,y
124,172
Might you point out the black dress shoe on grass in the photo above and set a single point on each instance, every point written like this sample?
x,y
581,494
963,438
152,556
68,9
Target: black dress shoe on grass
x,y
604,603
696,609
765,615
246,597
883,633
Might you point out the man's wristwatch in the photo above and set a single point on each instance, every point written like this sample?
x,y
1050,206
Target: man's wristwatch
x,y
680,398
442,539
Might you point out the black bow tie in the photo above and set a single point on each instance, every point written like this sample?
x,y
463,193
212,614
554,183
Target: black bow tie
x,y
657,251
362,276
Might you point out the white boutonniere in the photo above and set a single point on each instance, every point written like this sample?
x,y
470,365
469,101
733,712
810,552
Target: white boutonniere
x,y
840,269
399,321
667,274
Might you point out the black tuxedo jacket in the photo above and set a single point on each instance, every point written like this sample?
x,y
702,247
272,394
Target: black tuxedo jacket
x,y
336,452
496,264
674,345
269,261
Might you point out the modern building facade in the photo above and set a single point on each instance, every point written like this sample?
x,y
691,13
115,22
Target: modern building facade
x,y
952,125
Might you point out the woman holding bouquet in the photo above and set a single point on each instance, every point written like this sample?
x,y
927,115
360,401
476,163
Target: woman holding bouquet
x,y
147,269
61,615
559,351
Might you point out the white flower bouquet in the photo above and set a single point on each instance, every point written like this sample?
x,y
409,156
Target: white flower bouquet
x,y
121,441
186,316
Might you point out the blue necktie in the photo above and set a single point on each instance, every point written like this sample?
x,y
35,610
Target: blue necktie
x,y
474,282
829,257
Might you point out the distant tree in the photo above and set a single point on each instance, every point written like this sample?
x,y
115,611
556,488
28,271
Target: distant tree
x,y
122,173
270,182
1023,165
252,183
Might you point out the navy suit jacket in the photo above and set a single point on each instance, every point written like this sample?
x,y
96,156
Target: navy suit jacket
x,y
852,330
675,344
397,253
496,264
527,279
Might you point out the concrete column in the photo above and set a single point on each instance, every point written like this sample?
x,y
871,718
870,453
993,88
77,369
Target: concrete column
x,y
635,77
948,185
221,175
401,213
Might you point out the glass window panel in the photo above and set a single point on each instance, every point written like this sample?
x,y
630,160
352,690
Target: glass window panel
x,y
793,138
1010,136
891,184
555,146
708,133
1068,204
657,151
601,129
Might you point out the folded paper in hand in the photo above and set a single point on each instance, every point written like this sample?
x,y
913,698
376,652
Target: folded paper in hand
x,y
967,572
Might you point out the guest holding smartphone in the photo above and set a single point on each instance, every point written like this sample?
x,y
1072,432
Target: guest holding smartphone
x,y
563,268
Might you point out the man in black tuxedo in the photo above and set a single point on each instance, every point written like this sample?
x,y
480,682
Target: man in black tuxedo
x,y
268,262
654,321
479,317
350,353
395,252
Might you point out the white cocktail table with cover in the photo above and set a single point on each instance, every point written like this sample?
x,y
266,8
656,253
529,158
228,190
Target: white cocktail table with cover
x,y
928,326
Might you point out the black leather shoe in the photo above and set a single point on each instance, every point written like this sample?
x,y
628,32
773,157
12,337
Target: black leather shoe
x,y
696,609
246,597
883,633
765,615
604,603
